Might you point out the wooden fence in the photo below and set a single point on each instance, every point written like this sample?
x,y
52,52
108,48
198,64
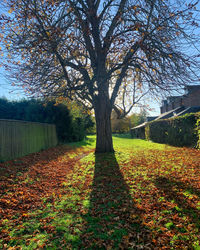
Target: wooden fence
x,y
19,138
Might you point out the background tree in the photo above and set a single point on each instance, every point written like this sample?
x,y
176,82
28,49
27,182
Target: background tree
x,y
92,50
119,125
138,118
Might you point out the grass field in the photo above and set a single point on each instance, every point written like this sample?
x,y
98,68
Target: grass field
x,y
146,195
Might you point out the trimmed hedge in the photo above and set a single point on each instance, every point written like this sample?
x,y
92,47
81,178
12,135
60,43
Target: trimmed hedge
x,y
179,131
198,131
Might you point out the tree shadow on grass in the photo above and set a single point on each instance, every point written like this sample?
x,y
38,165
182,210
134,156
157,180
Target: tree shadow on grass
x,y
181,193
113,220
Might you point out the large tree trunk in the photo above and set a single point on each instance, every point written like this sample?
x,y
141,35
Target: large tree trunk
x,y
103,110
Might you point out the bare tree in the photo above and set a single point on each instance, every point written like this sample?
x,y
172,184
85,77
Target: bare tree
x,y
93,50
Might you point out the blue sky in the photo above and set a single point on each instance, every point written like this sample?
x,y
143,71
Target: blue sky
x,y
14,93
8,91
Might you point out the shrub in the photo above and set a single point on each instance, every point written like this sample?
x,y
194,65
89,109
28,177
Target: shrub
x,y
198,131
178,131
78,129
69,127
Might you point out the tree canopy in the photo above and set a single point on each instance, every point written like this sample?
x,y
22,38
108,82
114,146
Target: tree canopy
x,y
100,52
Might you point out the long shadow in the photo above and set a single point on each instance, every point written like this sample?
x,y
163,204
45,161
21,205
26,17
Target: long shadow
x,y
113,220
170,188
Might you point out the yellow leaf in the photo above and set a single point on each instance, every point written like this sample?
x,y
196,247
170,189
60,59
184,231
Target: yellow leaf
x,y
10,11
134,7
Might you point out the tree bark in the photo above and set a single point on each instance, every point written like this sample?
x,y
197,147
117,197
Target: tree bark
x,y
104,142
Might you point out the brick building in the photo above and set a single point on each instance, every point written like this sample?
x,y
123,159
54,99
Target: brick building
x,y
191,98
174,106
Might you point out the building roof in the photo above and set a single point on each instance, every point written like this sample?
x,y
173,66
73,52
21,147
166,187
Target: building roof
x,y
192,87
174,97
151,118
193,109
173,113
140,126
170,113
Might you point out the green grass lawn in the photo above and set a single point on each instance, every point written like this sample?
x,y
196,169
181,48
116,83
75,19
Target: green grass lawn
x,y
145,195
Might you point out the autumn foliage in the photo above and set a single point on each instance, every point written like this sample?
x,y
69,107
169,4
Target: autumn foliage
x,y
68,198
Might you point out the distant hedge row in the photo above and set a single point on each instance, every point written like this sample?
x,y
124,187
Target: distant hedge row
x,y
180,131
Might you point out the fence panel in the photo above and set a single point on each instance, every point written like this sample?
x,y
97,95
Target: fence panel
x,y
19,138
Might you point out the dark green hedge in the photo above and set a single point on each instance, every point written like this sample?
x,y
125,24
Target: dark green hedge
x,y
68,127
180,131
198,131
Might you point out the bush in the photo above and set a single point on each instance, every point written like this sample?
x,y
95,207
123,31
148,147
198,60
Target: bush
x,y
180,131
69,127
78,130
198,131
60,116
